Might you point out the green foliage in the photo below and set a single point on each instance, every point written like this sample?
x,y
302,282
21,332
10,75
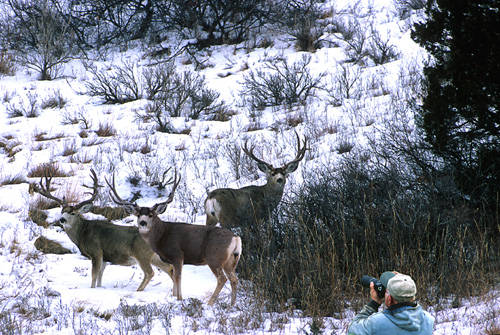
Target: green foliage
x,y
460,114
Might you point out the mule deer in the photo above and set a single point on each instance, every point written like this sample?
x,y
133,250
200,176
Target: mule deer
x,y
102,241
182,243
251,204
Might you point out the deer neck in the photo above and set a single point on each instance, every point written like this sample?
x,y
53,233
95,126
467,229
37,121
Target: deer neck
x,y
153,236
273,190
73,228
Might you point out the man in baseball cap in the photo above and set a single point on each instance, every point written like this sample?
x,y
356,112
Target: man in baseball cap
x,y
403,316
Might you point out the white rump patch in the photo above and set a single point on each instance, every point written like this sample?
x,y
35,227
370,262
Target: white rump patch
x,y
212,207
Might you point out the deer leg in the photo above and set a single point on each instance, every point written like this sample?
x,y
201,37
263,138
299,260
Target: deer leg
x,y
148,274
99,275
165,267
96,268
221,280
233,280
177,280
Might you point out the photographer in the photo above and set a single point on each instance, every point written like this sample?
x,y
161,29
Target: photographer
x,y
403,315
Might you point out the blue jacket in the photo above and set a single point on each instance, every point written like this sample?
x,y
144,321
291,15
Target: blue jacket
x,y
404,320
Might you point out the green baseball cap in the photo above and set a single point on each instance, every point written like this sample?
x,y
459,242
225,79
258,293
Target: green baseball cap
x,y
401,287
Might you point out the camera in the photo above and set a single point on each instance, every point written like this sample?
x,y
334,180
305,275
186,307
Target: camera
x,y
366,280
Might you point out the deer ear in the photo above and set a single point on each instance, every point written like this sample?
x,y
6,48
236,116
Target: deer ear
x,y
292,167
160,208
263,167
85,208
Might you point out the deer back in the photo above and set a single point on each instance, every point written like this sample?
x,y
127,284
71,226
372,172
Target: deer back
x,y
195,244
249,204
117,244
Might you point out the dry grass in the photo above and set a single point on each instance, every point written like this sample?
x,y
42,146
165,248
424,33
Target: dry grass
x,y
42,136
70,148
13,180
47,169
54,101
81,158
105,130
10,147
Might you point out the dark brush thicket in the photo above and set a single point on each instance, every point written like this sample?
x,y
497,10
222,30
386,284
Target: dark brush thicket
x,y
358,219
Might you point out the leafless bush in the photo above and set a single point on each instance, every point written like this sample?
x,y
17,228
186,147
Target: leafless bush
x,y
7,64
218,22
117,85
28,108
279,82
70,148
380,50
10,147
404,8
356,46
241,164
40,36
185,95
300,20
346,84
344,146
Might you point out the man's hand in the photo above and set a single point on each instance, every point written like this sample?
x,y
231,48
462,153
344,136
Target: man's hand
x,y
374,295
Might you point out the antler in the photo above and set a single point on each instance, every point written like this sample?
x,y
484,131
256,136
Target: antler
x,y
300,152
93,194
176,183
45,190
115,197
162,206
252,156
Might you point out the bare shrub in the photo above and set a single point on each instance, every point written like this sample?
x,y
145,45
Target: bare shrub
x,y
344,146
117,85
40,36
404,8
7,64
28,108
70,148
241,164
381,50
280,83
182,95
10,147
346,84
300,20
81,158
356,47
218,22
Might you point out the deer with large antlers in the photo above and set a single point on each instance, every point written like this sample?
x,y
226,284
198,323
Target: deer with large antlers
x,y
182,243
251,204
102,241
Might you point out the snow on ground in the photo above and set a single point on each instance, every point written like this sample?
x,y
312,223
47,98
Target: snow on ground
x,y
61,283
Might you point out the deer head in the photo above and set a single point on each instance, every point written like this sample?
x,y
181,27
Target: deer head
x,y
70,213
277,176
145,215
